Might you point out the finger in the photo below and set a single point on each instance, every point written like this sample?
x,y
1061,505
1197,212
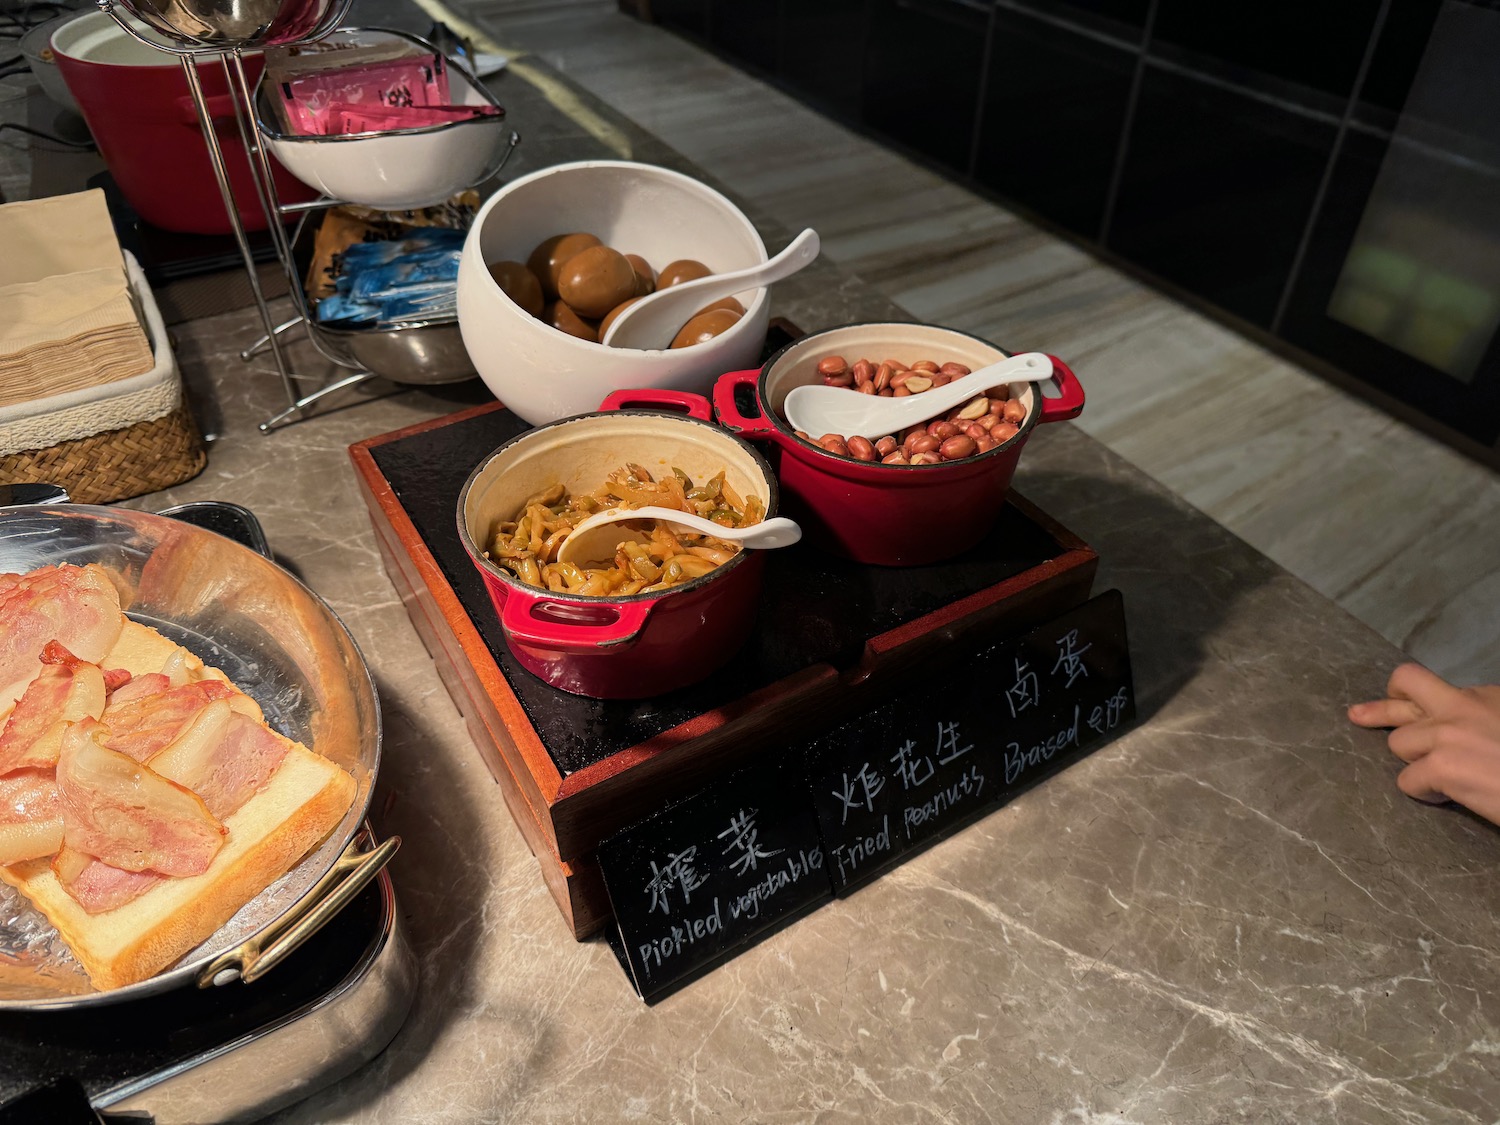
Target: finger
x,y
1413,741
1386,713
1420,780
1427,690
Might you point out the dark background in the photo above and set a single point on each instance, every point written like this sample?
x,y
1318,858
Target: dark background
x,y
1225,151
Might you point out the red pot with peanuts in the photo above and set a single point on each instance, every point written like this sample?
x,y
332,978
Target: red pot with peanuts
x,y
893,514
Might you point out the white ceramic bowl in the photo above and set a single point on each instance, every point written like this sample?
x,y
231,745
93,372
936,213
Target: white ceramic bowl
x,y
36,45
542,374
398,170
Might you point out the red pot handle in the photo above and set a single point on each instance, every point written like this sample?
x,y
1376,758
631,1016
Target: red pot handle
x,y
694,406
729,415
522,624
1070,403
220,110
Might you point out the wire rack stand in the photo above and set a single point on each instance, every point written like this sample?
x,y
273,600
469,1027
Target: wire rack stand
x,y
189,54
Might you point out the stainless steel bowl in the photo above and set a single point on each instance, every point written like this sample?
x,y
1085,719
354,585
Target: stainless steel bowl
x,y
420,353
224,25
417,353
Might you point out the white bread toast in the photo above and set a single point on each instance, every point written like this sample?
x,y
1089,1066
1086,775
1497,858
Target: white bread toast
x,y
141,649
304,800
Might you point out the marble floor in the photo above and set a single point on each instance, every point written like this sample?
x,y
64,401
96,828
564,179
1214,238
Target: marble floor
x,y
1401,531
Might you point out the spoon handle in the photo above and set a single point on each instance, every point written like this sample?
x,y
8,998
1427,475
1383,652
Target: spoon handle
x,y
798,253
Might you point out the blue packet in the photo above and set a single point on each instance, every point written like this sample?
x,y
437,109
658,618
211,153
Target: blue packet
x,y
411,278
423,268
341,308
431,302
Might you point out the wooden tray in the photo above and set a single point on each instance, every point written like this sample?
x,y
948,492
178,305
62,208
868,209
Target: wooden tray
x,y
574,771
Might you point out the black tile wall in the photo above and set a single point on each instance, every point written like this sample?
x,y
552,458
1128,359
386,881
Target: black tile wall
x,y
1216,191
921,81
690,16
1403,39
1214,124
1054,108
746,30
1305,321
1122,19
1318,45
1471,407
822,52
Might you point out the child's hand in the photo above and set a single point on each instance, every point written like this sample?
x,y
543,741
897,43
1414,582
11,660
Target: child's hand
x,y
1451,737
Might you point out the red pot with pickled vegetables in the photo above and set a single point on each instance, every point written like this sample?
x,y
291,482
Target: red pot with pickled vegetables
x,y
613,645
896,514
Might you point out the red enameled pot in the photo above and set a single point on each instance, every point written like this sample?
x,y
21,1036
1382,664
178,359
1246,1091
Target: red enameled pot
x,y
888,515
644,644
137,105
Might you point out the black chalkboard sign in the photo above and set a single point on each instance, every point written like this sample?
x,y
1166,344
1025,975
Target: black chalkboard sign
x,y
695,883
936,756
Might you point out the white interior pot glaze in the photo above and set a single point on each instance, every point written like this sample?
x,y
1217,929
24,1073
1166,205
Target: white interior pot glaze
x,y
95,37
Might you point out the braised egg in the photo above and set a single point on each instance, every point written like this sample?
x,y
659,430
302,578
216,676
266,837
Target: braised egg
x,y
548,259
595,280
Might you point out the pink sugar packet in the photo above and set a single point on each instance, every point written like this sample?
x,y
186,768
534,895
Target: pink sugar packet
x,y
358,119
313,101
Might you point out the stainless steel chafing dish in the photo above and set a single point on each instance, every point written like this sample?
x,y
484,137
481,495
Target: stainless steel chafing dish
x,y
281,644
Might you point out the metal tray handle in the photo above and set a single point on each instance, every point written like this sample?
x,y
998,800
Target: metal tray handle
x,y
253,959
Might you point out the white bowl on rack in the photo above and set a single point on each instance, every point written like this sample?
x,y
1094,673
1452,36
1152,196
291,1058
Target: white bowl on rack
x,y
398,170
542,374
36,45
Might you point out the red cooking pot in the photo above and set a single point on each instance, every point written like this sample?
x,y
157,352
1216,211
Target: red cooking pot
x,y
643,644
136,102
888,515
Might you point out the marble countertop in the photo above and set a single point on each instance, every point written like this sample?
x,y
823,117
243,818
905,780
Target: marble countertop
x,y
1228,914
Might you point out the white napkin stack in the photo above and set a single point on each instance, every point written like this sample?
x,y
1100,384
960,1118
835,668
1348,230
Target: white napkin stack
x,y
67,317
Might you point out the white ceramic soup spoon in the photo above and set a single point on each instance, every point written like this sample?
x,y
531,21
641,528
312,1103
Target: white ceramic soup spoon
x,y
597,538
818,410
656,318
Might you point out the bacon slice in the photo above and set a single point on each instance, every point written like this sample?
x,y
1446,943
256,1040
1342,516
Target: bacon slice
x,y
76,606
95,885
176,668
54,652
58,696
114,678
120,811
145,724
138,687
31,822
225,758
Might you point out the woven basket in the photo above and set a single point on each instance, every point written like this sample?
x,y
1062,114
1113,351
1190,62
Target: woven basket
x,y
116,464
